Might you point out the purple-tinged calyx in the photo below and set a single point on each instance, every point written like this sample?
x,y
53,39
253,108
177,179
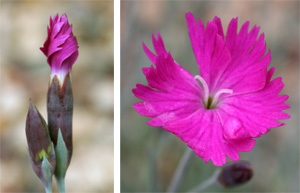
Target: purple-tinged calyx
x,y
60,112
40,147
60,47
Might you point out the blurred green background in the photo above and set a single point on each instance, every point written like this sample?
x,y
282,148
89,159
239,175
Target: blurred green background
x,y
275,158
25,74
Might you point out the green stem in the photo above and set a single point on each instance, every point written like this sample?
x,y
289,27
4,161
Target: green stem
x,y
207,183
152,168
61,185
181,170
48,189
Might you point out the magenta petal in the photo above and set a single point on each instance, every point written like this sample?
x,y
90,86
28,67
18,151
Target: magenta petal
x,y
203,132
169,85
150,94
261,110
231,35
218,22
67,49
60,47
219,63
196,32
170,93
69,61
246,71
151,56
170,77
157,108
233,128
55,30
55,44
208,50
158,44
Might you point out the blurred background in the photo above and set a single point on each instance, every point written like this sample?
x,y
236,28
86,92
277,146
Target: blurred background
x,y
25,74
275,158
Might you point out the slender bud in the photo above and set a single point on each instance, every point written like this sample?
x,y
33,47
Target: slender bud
x,y
61,50
60,47
60,112
235,174
40,147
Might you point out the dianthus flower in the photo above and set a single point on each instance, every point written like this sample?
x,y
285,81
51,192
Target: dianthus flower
x,y
60,47
233,101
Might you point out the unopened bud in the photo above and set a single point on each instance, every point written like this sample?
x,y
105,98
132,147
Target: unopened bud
x,y
235,174
40,147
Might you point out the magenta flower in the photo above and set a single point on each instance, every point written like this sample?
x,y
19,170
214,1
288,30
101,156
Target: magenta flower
x,y
233,101
60,46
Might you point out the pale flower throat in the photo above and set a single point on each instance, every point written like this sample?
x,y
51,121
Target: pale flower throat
x,y
211,101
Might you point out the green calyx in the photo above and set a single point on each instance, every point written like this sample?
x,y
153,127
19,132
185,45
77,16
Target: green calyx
x,y
47,175
62,162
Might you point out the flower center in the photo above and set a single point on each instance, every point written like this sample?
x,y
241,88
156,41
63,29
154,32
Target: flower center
x,y
211,101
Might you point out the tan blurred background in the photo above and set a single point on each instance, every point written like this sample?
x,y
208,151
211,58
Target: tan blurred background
x,y
25,74
275,158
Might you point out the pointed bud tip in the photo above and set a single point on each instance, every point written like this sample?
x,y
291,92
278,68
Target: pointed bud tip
x,y
31,106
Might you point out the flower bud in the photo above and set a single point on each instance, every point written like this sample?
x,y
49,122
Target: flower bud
x,y
235,174
60,47
40,147
60,112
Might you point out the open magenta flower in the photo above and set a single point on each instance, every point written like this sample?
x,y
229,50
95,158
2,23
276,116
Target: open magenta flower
x,y
60,47
219,112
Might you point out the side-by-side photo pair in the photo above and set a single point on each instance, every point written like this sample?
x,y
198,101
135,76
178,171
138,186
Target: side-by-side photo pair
x,y
130,96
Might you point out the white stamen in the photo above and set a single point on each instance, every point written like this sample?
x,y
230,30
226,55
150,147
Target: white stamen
x,y
205,87
217,95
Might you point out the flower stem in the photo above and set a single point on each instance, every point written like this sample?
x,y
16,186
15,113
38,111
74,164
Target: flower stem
x,y
61,185
152,168
48,189
181,170
154,148
207,183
